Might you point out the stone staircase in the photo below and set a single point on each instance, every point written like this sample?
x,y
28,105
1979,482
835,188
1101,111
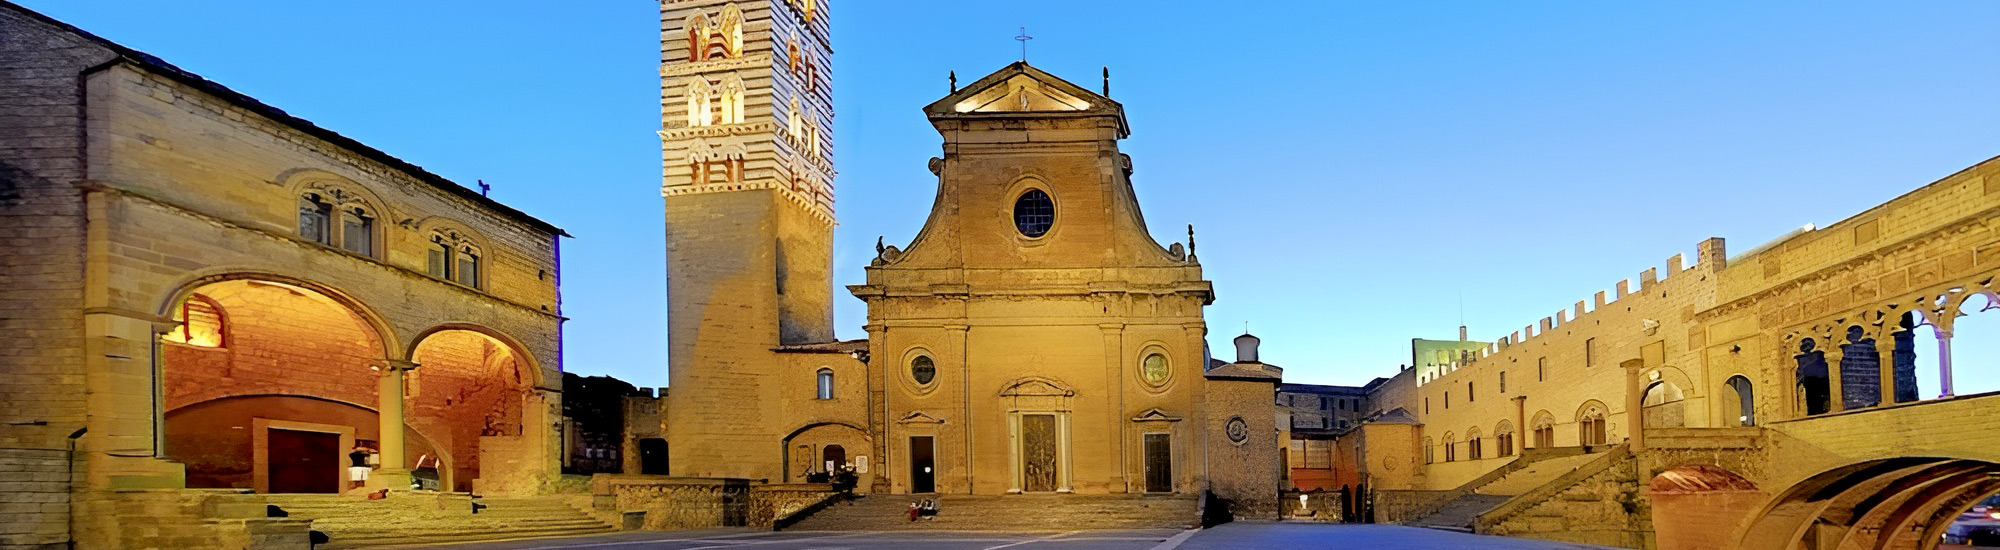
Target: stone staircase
x,y
423,519
1459,514
1017,513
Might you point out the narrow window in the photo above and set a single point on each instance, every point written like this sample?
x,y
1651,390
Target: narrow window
x,y
1468,391
1590,352
358,232
1447,400
1503,381
1746,411
468,267
1427,405
440,258
315,219
826,383
1541,369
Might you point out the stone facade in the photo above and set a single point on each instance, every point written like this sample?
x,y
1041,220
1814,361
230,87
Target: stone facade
x,y
174,249
1769,395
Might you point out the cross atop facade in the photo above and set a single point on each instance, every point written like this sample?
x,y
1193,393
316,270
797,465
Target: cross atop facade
x,y
1024,38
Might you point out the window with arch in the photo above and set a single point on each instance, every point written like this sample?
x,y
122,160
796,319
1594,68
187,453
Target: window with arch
x,y
700,103
454,258
1814,387
825,383
923,370
1746,400
201,323
1450,450
1473,449
337,218
1430,452
1544,430
1503,437
1590,425
1034,213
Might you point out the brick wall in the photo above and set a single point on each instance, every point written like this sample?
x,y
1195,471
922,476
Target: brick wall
x,y
278,340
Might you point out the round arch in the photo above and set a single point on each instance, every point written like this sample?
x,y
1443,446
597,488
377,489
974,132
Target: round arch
x,y
529,362
1901,502
392,348
803,448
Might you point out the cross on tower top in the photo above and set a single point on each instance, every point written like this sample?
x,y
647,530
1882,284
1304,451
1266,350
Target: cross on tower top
x,y
1023,39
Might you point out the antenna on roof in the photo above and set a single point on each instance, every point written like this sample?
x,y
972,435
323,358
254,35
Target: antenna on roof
x,y
484,188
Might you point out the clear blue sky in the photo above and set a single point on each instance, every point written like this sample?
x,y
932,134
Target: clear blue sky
x,y
1352,168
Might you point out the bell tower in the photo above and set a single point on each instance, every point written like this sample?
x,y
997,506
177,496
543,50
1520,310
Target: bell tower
x,y
746,141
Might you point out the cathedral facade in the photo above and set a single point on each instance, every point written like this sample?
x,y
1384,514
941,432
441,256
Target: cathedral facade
x,y
1033,337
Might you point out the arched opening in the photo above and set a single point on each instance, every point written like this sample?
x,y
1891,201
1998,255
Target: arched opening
x,y
1663,406
1909,502
1745,400
1975,341
309,360
1692,505
1590,425
1474,449
468,391
1812,386
1503,438
1544,429
1450,448
833,457
825,384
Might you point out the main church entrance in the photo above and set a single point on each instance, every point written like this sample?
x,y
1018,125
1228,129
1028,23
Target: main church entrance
x,y
1038,453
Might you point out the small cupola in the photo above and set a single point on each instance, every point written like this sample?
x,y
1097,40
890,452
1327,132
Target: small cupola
x,y
1246,348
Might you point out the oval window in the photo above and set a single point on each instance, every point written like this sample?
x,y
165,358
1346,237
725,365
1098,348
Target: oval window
x,y
1034,213
923,370
1154,368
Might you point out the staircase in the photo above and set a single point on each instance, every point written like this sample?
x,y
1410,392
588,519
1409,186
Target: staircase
x,y
1017,513
1458,514
415,520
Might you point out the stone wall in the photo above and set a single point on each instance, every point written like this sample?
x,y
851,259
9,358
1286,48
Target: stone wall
x,y
674,503
1243,473
1319,506
41,255
1599,503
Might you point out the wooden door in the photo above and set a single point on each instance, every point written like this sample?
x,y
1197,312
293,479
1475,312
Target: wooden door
x,y
303,462
1038,453
1159,463
923,468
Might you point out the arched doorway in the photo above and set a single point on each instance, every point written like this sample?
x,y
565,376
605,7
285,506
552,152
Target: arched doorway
x,y
1744,402
1888,503
1663,405
469,390
269,385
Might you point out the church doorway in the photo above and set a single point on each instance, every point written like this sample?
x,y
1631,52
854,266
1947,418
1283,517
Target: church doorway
x,y
1038,453
1159,463
923,468
304,462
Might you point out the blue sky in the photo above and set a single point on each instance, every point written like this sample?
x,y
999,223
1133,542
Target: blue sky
x,y
1354,170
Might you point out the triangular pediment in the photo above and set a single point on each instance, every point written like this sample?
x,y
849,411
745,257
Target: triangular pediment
x,y
1021,93
918,417
1022,89
1155,415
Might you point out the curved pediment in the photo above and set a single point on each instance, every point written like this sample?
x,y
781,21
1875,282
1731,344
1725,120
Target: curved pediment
x,y
1036,386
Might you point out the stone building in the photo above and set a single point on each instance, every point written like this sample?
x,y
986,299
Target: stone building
x,y
205,292
1032,339
1765,400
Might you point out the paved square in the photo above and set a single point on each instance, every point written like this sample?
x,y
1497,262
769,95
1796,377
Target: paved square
x,y
1235,536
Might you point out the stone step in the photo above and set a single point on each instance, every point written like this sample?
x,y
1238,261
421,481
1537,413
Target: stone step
x,y
414,540
1011,512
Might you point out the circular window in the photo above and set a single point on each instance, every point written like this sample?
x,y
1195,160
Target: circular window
x,y
1034,212
923,370
1154,368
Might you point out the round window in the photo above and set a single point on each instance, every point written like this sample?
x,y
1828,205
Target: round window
x,y
1034,212
923,370
1154,368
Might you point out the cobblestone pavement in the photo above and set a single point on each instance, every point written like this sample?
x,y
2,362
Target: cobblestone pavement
x,y
1235,536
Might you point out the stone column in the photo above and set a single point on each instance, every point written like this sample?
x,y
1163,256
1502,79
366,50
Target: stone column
x,y
1635,403
1885,368
1836,396
1520,422
881,363
1114,375
1944,363
394,472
